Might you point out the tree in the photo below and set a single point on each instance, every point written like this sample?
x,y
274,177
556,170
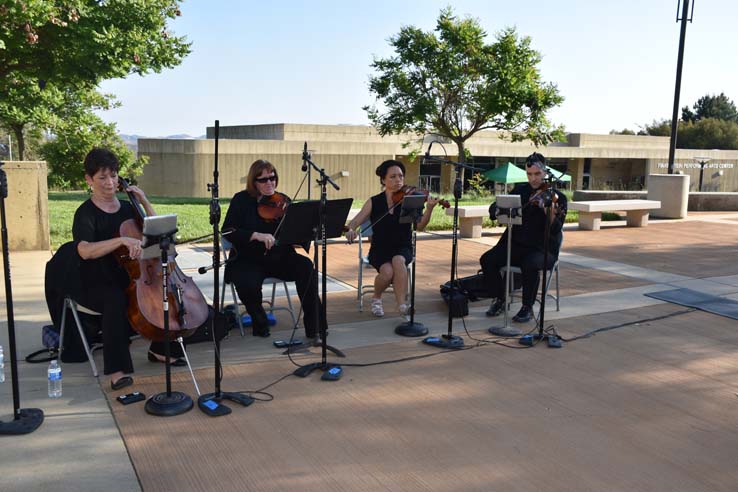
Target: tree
x,y
624,131
74,138
719,107
708,133
657,128
51,49
455,85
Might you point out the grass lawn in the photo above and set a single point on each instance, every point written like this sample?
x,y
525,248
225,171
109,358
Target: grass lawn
x,y
194,214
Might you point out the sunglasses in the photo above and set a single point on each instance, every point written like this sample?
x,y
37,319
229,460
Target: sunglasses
x,y
268,178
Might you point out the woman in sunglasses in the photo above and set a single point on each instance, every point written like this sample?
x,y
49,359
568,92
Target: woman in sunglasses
x,y
258,254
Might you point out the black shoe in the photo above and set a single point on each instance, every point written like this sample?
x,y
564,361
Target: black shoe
x,y
121,383
178,362
261,332
496,308
524,315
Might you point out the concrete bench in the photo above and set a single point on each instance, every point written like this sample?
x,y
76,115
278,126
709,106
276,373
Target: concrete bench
x,y
590,213
470,219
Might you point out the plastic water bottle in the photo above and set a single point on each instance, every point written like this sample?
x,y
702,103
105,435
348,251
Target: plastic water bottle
x,y
55,379
2,365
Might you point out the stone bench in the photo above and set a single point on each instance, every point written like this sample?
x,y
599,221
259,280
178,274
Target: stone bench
x,y
470,219
590,213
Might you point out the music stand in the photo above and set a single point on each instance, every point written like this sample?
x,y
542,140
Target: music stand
x,y
160,230
299,226
508,213
410,212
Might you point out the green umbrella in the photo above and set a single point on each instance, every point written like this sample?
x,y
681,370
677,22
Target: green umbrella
x,y
560,176
508,173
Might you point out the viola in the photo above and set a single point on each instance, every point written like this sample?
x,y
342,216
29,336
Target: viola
x,y
273,207
408,190
187,306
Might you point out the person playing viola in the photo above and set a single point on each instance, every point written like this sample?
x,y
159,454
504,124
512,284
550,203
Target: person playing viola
x,y
95,234
527,245
391,246
259,254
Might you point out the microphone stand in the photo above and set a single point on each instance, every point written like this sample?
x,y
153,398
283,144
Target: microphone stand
x,y
169,403
331,372
553,340
211,403
305,167
449,340
25,420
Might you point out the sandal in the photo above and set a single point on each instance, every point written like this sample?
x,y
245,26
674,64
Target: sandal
x,y
377,308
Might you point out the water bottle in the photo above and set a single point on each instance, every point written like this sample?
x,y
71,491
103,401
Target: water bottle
x,y
2,365
55,379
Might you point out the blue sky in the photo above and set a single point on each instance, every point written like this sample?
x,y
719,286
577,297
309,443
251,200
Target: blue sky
x,y
308,62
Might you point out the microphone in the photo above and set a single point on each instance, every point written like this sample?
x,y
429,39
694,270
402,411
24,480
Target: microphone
x,y
427,153
305,157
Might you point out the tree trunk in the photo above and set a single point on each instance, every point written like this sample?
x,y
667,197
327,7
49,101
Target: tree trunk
x,y
18,131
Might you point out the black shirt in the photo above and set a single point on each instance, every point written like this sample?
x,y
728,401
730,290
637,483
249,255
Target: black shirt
x,y
531,232
93,224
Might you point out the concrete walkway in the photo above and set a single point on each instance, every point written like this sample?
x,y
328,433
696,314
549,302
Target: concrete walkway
x,y
79,446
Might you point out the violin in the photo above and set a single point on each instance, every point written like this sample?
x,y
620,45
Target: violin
x,y
408,190
188,309
273,207
538,198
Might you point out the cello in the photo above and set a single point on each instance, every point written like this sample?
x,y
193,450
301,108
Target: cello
x,y
187,306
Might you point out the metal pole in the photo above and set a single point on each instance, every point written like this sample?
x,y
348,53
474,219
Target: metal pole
x,y
677,89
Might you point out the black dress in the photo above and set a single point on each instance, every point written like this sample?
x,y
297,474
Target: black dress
x,y
251,265
103,284
389,238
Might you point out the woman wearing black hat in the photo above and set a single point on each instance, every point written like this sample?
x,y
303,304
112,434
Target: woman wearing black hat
x,y
391,247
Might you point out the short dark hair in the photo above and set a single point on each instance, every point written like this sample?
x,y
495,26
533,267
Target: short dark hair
x,y
535,158
99,158
384,167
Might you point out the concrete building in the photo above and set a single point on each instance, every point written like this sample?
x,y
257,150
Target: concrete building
x,y
351,153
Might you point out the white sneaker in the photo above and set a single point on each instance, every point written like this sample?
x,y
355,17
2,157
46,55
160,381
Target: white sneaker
x,y
377,308
404,311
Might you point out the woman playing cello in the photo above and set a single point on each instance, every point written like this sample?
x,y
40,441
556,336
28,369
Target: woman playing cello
x,y
95,232
391,249
253,218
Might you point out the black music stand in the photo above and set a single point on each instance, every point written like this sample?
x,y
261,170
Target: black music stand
x,y
319,220
410,212
509,212
161,229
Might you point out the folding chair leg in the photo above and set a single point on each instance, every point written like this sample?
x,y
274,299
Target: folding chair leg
x,y
189,366
84,339
238,311
289,303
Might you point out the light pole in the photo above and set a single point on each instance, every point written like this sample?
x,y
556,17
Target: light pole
x,y
677,89
702,161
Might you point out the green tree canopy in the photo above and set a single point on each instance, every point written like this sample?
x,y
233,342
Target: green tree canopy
x,y
53,55
454,84
718,107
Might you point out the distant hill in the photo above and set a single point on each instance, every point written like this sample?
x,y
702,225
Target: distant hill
x,y
132,140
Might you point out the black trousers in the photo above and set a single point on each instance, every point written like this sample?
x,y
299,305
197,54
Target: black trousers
x,y
248,275
112,303
530,261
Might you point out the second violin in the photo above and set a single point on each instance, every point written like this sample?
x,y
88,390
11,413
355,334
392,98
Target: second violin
x,y
408,190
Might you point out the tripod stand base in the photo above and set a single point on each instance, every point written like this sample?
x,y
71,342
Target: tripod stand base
x,y
168,405
445,341
211,405
331,372
29,419
505,331
411,329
